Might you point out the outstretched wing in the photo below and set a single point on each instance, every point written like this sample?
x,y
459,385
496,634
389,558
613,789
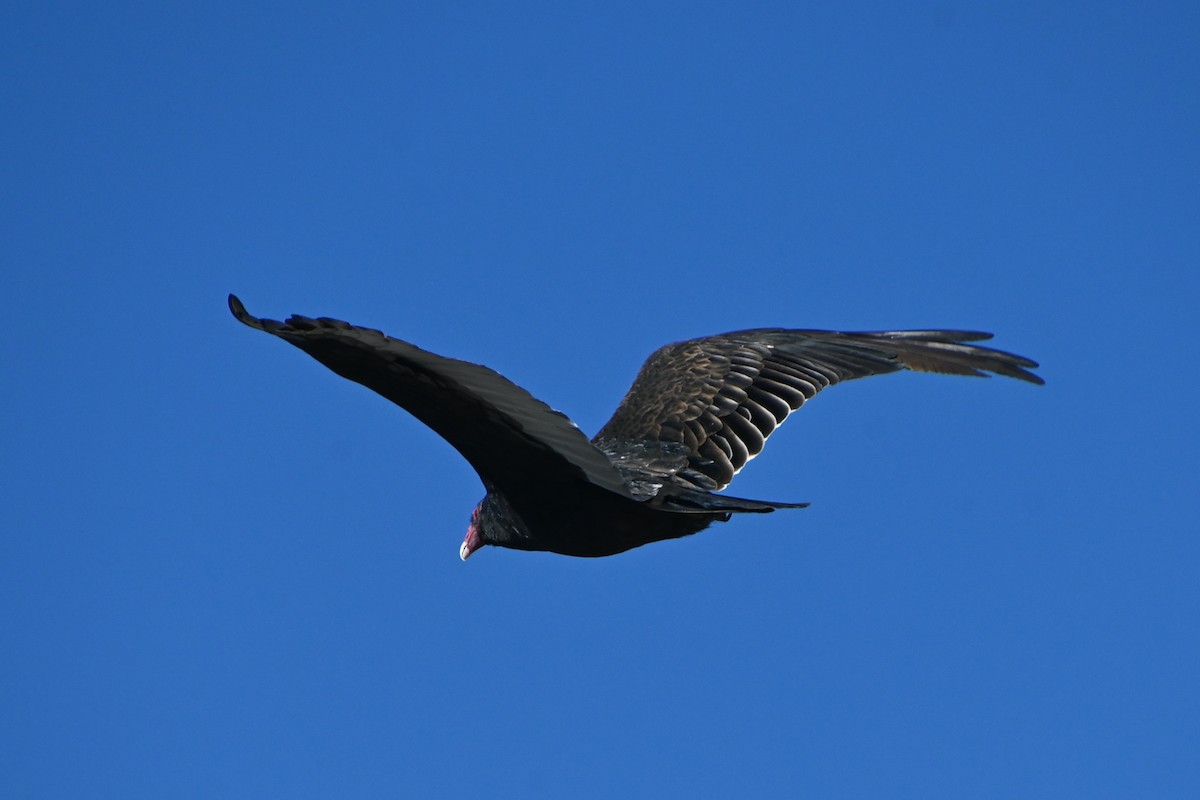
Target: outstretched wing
x,y
513,440
719,398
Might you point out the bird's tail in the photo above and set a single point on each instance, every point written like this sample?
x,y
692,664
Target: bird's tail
x,y
697,502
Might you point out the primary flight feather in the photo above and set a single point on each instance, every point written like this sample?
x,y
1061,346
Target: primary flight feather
x,y
697,412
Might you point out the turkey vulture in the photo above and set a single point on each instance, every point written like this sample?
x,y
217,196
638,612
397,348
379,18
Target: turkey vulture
x,y
697,412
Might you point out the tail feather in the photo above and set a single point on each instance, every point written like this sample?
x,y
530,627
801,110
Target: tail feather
x,y
696,502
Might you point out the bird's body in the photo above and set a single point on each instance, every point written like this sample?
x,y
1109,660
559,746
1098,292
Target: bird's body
x,y
697,412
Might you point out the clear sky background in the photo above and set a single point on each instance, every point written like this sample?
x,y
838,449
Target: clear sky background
x,y
228,573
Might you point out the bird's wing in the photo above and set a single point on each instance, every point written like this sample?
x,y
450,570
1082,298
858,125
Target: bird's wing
x,y
719,398
513,440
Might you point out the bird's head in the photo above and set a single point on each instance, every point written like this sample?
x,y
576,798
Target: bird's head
x,y
495,521
475,536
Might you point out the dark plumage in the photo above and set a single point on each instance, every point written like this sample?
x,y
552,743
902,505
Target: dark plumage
x,y
697,412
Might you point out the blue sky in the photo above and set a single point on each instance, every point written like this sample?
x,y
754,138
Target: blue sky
x,y
229,573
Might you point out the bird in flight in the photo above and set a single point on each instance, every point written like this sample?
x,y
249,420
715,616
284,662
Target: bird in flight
x,y
697,412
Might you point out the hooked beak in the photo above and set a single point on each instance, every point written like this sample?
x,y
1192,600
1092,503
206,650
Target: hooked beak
x,y
471,543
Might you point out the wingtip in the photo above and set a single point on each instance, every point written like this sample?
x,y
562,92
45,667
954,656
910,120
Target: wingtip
x,y
242,315
1022,368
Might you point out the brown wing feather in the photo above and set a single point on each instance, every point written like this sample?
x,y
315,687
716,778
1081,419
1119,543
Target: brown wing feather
x,y
722,397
